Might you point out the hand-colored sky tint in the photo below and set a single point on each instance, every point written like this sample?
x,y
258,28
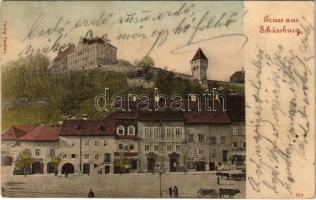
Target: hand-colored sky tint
x,y
224,53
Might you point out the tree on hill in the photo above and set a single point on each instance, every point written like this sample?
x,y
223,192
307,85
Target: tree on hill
x,y
24,161
146,61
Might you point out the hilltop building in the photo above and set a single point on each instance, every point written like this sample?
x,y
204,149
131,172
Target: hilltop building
x,y
88,54
238,77
199,65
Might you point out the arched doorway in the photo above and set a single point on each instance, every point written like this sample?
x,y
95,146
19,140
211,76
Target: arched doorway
x,y
68,167
50,168
174,161
151,161
107,169
37,167
86,168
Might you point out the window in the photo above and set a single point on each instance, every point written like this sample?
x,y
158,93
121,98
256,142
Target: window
x,y
190,138
146,147
235,144
107,157
213,154
200,151
126,148
169,133
147,132
235,130
86,156
96,156
222,139
131,147
243,130
52,152
96,142
178,133
120,130
156,132
201,137
65,156
169,147
121,147
131,130
244,144
73,143
87,142
37,152
73,155
213,140
104,142
178,147
156,147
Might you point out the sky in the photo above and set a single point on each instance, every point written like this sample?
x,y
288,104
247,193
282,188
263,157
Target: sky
x,y
137,29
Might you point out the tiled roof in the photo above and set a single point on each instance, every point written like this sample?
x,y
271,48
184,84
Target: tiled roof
x,y
64,53
199,55
217,116
42,133
16,132
235,107
104,127
160,115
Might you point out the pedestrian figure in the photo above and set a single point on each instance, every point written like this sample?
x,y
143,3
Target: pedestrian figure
x,y
3,191
175,191
170,192
91,194
56,172
218,180
66,174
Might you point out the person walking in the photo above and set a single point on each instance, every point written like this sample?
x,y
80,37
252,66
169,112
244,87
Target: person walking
x,y
175,191
3,192
170,192
91,194
218,180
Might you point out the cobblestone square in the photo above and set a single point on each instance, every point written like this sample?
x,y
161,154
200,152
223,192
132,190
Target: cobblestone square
x,y
116,186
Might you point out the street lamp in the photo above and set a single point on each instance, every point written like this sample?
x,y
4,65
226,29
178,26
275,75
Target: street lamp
x,y
161,171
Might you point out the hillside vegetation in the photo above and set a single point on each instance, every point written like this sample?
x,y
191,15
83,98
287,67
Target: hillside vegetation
x,y
31,94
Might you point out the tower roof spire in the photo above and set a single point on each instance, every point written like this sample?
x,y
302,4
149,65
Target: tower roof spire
x,y
199,55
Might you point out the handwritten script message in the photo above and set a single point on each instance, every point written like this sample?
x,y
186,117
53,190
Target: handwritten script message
x,y
186,22
281,103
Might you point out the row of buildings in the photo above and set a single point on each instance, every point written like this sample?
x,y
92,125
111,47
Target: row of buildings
x,y
134,141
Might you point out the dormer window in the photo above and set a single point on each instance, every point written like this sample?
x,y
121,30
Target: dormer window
x,y
131,130
120,130
100,128
76,127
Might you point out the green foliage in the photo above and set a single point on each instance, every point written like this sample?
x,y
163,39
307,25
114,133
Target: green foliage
x,y
26,114
72,93
168,84
55,160
24,160
28,80
145,61
124,62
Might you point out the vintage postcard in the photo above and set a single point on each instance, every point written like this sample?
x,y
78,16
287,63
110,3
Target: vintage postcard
x,y
157,99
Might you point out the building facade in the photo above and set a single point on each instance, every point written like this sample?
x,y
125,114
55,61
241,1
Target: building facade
x,y
161,142
92,53
134,141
